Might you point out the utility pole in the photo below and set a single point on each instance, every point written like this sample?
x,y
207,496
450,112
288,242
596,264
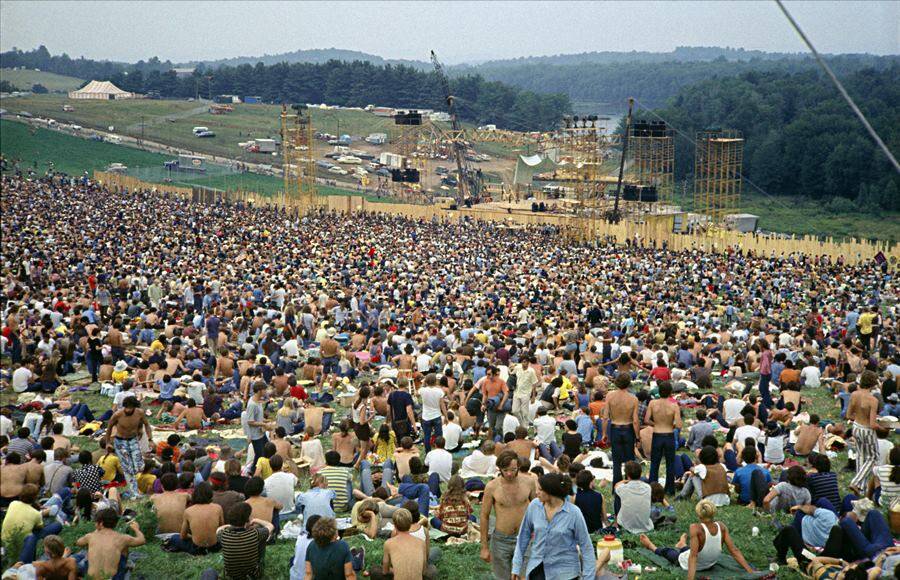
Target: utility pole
x,y
141,141
615,217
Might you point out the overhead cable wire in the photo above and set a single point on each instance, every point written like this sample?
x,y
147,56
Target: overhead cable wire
x,y
840,87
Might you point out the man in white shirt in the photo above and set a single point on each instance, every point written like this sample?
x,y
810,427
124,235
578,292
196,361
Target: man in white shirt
x,y
452,432
733,407
439,460
745,431
22,376
433,408
810,375
6,423
481,463
280,485
423,362
291,348
510,424
545,435
526,381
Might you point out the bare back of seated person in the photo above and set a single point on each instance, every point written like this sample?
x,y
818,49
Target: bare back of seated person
x,y
56,568
170,507
203,520
346,445
105,548
407,556
12,478
522,447
194,417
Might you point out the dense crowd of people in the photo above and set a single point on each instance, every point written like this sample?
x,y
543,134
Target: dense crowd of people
x,y
429,382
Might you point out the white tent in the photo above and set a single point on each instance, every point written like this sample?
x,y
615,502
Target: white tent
x,y
103,90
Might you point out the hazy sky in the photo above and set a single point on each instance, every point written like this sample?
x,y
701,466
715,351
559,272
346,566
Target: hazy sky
x,y
458,31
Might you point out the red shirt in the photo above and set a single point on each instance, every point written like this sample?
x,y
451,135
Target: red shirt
x,y
299,392
661,373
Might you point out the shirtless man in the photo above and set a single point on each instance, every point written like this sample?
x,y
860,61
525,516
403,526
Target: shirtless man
x,y
862,411
624,430
174,364
34,468
169,505
12,479
509,496
665,416
127,423
402,456
522,446
405,556
344,443
192,415
58,566
810,437
107,549
224,365
201,520
59,440
315,416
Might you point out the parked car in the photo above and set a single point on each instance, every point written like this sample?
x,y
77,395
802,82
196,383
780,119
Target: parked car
x,y
205,134
337,170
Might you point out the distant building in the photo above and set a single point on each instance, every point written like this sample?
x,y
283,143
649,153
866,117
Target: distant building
x,y
101,90
377,138
439,116
252,100
383,111
183,72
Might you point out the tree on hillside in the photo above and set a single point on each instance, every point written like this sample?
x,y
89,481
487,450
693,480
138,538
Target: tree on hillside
x,y
39,89
7,87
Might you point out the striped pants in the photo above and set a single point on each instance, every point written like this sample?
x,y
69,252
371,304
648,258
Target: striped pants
x,y
131,460
866,455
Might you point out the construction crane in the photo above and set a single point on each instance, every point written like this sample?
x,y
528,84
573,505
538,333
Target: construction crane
x,y
468,184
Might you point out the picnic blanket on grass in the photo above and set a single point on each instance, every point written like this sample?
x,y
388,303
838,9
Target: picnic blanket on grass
x,y
727,567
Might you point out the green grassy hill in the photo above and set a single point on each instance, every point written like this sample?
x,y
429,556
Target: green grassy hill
x,y
24,79
38,148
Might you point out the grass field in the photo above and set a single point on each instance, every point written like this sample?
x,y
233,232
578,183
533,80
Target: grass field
x,y
24,79
37,148
462,562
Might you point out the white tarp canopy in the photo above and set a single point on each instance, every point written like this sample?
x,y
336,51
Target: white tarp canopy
x,y
100,90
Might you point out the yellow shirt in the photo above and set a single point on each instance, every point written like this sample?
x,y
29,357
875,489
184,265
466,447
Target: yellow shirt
x,y
265,470
145,482
119,376
21,519
157,345
865,322
110,466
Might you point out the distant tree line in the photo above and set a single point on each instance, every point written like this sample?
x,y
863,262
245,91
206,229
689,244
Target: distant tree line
x,y
801,138
651,82
334,82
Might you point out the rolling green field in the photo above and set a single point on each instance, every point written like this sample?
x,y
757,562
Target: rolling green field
x,y
35,148
24,79
171,122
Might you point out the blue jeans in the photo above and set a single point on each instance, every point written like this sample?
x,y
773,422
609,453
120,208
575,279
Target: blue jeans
x,y
26,556
550,451
58,504
621,440
683,464
432,426
663,446
258,446
873,537
93,365
764,381
330,365
418,492
434,485
81,412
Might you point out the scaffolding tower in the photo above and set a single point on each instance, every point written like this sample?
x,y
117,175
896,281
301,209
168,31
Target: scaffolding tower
x,y
408,135
297,143
717,173
652,144
584,148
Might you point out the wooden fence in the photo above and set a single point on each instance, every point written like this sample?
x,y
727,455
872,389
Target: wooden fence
x,y
654,231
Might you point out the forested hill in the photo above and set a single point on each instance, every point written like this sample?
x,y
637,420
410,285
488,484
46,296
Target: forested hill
x,y
651,82
334,82
801,138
